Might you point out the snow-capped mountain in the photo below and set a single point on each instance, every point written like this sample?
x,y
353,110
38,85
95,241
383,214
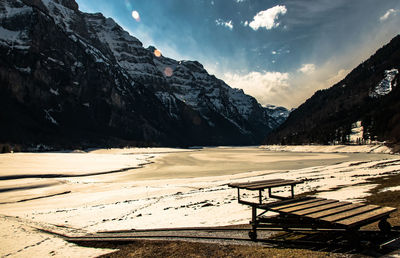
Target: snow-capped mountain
x,y
279,114
73,78
362,108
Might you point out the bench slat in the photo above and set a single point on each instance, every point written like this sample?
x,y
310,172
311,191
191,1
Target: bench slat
x,y
258,185
330,212
320,208
300,202
284,202
365,217
254,183
272,184
350,213
306,206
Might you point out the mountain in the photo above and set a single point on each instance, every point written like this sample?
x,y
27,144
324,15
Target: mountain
x,y
361,108
279,114
69,79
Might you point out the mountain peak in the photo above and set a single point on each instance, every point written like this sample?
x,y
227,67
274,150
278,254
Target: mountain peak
x,y
71,4
80,78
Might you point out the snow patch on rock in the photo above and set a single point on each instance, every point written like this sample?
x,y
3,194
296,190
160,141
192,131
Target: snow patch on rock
x,y
14,39
55,61
11,10
54,92
386,85
24,70
49,117
62,15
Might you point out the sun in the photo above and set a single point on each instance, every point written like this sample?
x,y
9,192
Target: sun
x,y
135,15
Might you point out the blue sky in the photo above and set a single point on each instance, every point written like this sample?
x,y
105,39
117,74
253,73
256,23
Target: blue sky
x,y
277,51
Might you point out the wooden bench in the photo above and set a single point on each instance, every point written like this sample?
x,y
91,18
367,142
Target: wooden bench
x,y
309,212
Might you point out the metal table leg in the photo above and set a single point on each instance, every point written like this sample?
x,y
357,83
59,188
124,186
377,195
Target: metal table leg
x,y
253,232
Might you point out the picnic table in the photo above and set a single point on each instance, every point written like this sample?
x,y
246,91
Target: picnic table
x,y
308,213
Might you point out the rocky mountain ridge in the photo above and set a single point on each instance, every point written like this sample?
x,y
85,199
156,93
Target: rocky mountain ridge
x,y
362,108
70,78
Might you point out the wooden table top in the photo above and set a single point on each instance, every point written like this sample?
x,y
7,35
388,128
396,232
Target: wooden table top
x,y
263,184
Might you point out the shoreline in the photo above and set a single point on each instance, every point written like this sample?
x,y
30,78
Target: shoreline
x,y
312,148
379,148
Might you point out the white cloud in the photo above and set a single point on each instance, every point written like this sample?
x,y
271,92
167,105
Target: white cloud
x,y
303,86
288,89
390,12
307,68
266,87
268,18
337,77
227,24
239,1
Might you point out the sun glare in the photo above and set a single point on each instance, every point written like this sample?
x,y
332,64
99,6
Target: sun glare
x,y
135,15
168,71
157,53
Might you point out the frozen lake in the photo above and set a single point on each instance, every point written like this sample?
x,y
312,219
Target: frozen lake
x,y
227,161
111,189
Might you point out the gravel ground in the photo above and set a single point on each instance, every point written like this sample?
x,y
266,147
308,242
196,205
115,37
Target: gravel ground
x,y
203,235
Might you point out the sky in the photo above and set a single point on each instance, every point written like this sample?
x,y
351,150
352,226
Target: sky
x,y
280,52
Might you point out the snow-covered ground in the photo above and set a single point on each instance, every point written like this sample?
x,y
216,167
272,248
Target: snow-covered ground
x,y
177,188
330,148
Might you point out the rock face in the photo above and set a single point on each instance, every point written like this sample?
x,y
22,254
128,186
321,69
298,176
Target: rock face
x,y
364,105
279,114
69,78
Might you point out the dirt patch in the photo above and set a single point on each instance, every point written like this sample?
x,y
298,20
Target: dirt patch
x,y
386,198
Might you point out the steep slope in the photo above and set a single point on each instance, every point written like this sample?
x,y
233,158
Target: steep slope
x,y
362,107
190,83
69,78
278,114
